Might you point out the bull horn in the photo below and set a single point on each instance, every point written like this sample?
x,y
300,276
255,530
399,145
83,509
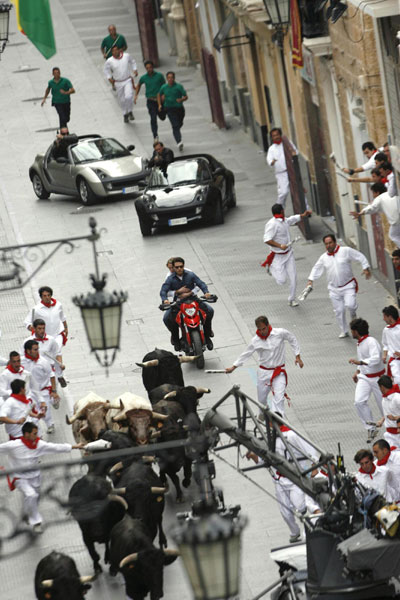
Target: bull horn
x,y
158,490
117,467
119,490
184,359
47,583
171,552
201,390
170,395
128,559
87,578
115,498
71,420
149,363
159,416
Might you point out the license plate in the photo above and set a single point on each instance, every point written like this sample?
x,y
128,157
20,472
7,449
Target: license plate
x,y
131,189
181,221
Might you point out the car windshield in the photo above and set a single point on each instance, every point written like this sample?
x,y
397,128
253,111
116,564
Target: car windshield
x,y
177,173
98,149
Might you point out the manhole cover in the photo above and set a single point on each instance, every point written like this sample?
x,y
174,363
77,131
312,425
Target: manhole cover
x,y
84,210
32,99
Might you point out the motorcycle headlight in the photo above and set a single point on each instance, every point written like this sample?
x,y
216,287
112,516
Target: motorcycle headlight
x,y
100,174
191,311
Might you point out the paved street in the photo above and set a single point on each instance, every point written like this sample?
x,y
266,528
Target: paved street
x,y
227,257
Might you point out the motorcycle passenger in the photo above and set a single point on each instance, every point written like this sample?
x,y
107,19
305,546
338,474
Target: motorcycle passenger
x,y
182,282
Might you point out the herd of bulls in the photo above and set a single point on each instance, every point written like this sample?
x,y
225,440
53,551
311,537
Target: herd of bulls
x,y
121,504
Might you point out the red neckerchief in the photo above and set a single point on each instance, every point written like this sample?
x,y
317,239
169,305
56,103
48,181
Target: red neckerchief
x,y
384,180
323,472
278,143
21,398
32,444
31,358
9,367
383,461
361,470
364,337
50,304
264,337
395,389
279,217
43,339
284,428
397,322
334,252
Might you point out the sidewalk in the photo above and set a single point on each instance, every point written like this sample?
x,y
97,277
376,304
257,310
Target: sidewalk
x,y
226,257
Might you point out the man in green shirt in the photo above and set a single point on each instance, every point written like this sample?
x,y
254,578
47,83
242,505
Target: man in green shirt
x,y
61,90
153,82
113,39
171,96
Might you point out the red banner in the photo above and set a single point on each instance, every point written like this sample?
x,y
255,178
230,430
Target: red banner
x,y
297,53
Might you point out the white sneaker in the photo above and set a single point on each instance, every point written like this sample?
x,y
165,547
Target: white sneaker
x,y
37,528
295,538
56,403
51,429
293,303
344,334
372,434
180,146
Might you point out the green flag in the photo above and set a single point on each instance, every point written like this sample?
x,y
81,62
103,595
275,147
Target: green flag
x,y
34,20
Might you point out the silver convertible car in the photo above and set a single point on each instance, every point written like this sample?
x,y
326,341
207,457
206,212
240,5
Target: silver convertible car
x,y
92,168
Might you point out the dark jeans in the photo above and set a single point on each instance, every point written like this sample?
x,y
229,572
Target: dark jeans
x,y
176,116
152,107
170,319
64,113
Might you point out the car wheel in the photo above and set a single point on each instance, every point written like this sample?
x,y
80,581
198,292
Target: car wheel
x,y
145,226
86,195
218,218
39,188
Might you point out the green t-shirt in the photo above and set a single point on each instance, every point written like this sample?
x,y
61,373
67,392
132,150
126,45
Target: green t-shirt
x,y
153,83
57,96
109,42
171,93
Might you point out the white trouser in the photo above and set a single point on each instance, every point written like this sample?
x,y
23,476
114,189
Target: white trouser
x,y
364,388
30,488
277,404
395,368
283,267
282,180
394,234
392,438
125,95
290,498
341,299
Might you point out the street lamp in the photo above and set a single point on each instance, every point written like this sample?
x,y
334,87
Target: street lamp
x,y
101,312
279,17
4,24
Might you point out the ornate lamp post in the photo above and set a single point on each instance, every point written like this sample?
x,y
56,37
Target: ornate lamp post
x,y
4,24
279,17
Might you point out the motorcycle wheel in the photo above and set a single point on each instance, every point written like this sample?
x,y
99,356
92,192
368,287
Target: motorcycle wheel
x,y
197,349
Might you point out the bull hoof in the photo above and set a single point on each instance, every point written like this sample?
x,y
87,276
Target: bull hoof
x,y
186,483
113,572
97,569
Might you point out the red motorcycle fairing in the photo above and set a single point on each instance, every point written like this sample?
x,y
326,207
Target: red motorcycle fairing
x,y
191,321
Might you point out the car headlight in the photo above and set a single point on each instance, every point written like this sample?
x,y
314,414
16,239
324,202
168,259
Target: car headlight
x,y
100,174
199,197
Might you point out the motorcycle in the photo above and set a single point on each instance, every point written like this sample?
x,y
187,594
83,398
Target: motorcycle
x,y
190,319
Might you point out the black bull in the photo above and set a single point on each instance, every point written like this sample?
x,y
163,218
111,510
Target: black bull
x,y
56,576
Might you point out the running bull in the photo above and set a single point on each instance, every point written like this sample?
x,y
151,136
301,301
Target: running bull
x,y
57,577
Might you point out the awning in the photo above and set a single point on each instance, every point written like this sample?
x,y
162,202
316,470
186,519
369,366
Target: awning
x,y
388,8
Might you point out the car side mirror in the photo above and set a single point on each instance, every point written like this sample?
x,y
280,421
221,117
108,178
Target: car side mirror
x,y
131,147
218,171
62,160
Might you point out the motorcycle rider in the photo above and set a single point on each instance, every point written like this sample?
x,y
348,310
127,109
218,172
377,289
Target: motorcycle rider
x,y
182,282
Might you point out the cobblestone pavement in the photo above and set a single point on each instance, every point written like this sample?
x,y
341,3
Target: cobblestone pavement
x,y
226,257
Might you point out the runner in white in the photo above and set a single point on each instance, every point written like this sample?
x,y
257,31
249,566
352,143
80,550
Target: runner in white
x,y
369,475
387,455
342,285
391,410
13,370
269,344
281,259
48,347
120,70
25,452
276,158
391,342
369,368
18,409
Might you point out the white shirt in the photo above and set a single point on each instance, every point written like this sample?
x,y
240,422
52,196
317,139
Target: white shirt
x,y
53,316
277,152
370,352
387,204
370,164
338,266
393,481
391,406
377,480
278,231
120,69
303,452
391,339
20,456
41,372
15,409
7,377
48,344
271,352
